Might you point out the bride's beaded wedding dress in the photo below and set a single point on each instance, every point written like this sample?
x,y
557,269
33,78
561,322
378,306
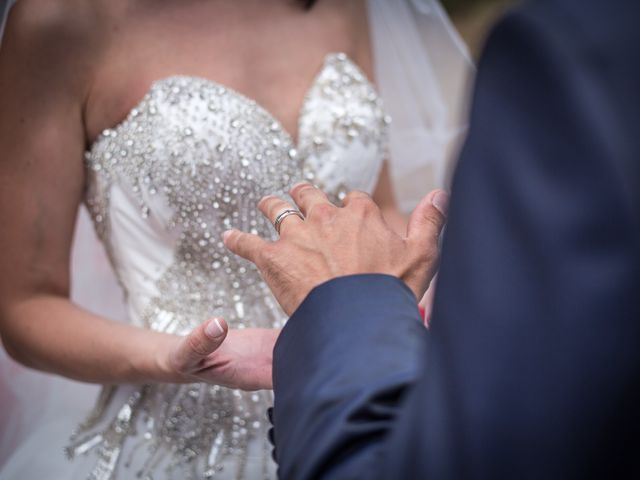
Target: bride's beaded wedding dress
x,y
191,160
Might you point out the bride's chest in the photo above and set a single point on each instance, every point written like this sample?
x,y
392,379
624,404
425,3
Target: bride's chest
x,y
267,50
194,154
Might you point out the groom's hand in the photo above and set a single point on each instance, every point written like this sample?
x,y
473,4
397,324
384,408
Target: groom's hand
x,y
333,242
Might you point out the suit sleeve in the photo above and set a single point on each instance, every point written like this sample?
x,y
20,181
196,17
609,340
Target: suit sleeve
x,y
341,366
530,369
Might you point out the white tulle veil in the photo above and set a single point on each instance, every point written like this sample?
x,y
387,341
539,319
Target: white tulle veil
x,y
422,68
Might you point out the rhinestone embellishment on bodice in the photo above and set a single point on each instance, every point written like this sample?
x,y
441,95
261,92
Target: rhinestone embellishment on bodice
x,y
219,153
192,160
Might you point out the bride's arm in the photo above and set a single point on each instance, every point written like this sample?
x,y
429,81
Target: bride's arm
x,y
46,62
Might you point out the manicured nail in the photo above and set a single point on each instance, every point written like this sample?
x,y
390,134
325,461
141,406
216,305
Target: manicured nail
x,y
214,329
441,201
226,235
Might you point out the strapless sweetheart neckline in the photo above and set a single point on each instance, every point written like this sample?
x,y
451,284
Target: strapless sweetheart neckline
x,y
294,140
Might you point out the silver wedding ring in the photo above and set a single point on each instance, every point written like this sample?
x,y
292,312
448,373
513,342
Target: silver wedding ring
x,y
283,215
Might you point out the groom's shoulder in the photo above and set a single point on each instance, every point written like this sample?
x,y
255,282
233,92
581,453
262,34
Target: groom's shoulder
x,y
591,24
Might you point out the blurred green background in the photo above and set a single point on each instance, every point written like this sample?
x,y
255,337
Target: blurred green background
x,y
474,19
463,6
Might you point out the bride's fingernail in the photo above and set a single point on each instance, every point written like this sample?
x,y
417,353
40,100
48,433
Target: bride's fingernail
x,y
226,235
214,329
441,201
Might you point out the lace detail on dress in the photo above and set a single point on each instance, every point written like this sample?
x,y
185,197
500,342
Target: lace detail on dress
x,y
191,161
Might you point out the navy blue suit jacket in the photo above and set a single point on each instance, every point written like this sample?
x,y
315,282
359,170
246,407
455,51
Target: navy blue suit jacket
x,y
532,366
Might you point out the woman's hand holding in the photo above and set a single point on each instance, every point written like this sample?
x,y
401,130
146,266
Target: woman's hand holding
x,y
214,354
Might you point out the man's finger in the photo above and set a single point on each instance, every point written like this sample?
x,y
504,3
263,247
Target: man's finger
x,y
246,245
200,343
355,195
427,220
273,207
307,197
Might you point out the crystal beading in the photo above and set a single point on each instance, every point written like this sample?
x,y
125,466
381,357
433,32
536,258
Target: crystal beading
x,y
193,158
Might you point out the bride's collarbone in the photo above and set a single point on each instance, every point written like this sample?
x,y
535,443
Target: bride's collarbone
x,y
216,42
276,85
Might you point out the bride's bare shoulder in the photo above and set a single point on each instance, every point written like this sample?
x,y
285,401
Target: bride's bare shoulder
x,y
52,34
54,20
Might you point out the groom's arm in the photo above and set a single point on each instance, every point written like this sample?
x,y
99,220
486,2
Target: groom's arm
x,y
342,366
534,352
531,366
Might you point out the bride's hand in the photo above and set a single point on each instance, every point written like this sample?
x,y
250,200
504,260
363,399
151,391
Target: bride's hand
x,y
214,354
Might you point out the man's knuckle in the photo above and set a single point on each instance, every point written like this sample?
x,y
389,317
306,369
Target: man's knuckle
x,y
268,254
322,211
239,242
276,207
435,222
305,190
261,258
368,206
264,203
355,194
363,205
428,255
